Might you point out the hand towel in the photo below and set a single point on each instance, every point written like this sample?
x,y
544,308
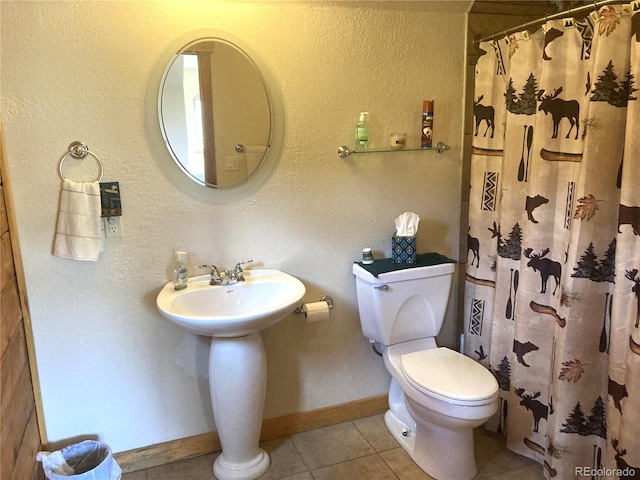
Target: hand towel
x,y
78,231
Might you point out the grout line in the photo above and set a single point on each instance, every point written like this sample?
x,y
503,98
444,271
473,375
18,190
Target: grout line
x,y
290,437
389,467
363,436
377,453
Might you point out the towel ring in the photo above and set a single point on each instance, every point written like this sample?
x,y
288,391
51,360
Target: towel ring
x,y
79,151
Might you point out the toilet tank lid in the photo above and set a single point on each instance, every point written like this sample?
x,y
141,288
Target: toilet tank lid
x,y
385,270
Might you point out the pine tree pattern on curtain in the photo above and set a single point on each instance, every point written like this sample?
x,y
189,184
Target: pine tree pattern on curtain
x,y
552,294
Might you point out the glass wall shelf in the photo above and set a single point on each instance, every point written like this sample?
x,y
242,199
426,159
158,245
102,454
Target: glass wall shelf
x,y
344,152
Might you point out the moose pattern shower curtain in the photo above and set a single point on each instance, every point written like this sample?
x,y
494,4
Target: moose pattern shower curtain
x,y
552,292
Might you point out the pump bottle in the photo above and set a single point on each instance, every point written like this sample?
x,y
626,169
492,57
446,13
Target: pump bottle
x,y
180,277
362,133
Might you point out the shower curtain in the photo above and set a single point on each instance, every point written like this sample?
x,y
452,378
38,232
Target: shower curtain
x,y
552,291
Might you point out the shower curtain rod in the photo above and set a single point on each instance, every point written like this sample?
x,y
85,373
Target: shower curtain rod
x,y
534,23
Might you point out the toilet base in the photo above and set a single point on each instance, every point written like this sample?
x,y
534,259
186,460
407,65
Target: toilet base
x,y
443,453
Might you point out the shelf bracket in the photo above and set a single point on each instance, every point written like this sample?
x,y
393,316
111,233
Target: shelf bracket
x,y
344,151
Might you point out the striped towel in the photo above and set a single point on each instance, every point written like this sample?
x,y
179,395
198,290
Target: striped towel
x,y
79,228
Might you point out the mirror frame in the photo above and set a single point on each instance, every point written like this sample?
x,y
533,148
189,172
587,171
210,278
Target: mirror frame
x,y
155,131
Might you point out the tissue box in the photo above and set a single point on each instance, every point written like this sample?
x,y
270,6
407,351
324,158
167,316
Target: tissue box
x,y
403,249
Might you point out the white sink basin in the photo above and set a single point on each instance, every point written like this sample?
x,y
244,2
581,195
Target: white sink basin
x,y
264,298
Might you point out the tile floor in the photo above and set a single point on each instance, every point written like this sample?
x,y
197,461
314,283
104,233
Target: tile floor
x,y
362,449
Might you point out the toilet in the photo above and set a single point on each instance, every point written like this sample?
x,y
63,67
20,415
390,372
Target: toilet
x,y
437,395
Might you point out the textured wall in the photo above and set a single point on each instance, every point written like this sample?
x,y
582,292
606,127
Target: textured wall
x,y
109,364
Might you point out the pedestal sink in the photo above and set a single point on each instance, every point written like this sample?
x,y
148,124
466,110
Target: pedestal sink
x,y
233,315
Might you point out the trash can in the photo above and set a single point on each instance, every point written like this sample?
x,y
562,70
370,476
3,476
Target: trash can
x,y
88,460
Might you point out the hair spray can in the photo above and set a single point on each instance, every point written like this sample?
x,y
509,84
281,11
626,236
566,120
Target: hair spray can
x,y
427,124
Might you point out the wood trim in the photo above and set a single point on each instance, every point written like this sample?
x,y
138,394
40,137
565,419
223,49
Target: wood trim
x,y
204,46
323,417
31,434
208,133
22,288
167,452
189,447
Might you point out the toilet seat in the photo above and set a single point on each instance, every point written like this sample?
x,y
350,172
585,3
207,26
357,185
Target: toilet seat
x,y
449,376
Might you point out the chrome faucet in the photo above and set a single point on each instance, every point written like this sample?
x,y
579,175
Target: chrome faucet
x,y
238,273
216,276
227,277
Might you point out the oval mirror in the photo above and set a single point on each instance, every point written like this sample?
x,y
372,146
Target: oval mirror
x,y
216,112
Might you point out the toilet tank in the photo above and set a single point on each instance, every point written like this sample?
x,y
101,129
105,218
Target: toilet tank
x,y
407,304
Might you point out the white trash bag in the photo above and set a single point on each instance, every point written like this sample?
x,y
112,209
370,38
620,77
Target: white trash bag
x,y
88,460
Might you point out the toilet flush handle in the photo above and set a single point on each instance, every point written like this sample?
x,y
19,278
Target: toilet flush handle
x,y
384,288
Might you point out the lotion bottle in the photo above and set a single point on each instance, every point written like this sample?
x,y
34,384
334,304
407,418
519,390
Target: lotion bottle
x,y
362,133
180,277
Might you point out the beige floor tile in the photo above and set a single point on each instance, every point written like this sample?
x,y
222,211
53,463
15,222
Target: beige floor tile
x,y
139,475
347,451
285,459
403,466
533,471
370,467
492,455
376,433
330,445
298,476
199,468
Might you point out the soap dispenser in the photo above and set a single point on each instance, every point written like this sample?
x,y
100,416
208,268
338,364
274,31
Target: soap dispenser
x,y
362,133
180,277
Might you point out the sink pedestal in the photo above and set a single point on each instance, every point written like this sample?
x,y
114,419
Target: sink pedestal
x,y
233,316
237,382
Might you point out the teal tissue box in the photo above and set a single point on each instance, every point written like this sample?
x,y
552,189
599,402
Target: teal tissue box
x,y
403,250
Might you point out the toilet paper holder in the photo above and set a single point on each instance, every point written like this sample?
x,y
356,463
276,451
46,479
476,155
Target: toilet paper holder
x,y
302,308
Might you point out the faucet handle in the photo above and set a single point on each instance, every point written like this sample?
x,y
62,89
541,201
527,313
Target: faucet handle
x,y
238,271
212,267
238,268
216,278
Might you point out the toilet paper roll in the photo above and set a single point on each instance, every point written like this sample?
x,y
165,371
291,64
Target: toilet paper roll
x,y
316,312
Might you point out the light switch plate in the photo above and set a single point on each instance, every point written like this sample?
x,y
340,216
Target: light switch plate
x,y
232,163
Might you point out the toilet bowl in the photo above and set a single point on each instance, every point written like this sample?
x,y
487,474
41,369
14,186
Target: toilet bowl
x,y
437,396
